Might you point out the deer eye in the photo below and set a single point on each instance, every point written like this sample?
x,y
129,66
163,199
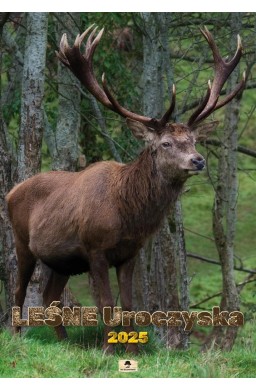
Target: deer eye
x,y
166,144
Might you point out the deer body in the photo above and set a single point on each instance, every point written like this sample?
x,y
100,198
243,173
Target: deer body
x,y
109,206
101,217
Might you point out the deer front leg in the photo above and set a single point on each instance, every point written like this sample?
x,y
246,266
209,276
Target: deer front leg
x,y
124,277
99,272
52,292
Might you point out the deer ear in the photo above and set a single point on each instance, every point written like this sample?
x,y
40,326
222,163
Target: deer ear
x,y
140,131
203,131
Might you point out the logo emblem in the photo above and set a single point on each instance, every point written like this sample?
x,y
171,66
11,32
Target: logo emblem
x,y
128,365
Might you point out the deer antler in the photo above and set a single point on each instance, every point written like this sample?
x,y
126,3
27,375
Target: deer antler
x,y
82,67
222,71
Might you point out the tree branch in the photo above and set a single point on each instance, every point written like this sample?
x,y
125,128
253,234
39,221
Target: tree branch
x,y
104,130
241,149
211,261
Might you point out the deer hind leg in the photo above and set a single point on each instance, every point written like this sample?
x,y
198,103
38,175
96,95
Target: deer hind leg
x,y
52,292
26,265
99,273
124,276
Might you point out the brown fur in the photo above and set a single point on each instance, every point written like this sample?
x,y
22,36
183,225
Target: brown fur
x,y
97,218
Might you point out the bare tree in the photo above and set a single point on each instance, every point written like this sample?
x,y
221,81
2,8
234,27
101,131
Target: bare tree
x,y
31,118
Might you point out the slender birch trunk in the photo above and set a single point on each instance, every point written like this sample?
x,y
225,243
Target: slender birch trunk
x,y
32,120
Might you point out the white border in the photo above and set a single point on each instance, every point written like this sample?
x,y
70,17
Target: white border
x,y
128,6
126,383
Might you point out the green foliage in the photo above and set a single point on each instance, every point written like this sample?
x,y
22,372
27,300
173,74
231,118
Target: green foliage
x,y
123,73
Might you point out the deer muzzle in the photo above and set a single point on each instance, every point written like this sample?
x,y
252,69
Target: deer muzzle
x,y
198,163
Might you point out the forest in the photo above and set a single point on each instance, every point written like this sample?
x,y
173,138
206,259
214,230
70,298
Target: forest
x,y
203,255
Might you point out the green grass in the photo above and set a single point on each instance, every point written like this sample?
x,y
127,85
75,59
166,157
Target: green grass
x,y
39,355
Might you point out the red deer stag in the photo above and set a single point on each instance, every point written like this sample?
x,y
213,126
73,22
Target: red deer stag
x,y
100,217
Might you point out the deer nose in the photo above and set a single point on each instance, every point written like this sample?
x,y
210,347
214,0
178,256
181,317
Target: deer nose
x,y
198,162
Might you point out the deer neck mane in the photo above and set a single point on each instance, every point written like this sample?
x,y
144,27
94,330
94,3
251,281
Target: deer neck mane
x,y
144,194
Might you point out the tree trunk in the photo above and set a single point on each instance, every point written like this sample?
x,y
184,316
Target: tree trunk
x,y
155,278
224,208
31,121
182,267
65,148
8,262
65,156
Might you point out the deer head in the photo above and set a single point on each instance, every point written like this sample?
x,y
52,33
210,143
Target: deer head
x,y
173,143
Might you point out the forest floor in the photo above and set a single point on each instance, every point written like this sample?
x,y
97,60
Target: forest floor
x,y
39,354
